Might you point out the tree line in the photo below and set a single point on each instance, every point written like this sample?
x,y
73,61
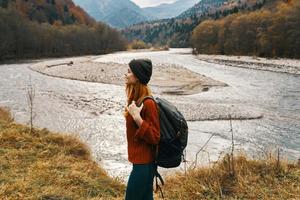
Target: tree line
x,y
22,37
270,32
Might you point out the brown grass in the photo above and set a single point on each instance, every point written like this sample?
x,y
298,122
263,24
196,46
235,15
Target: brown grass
x,y
254,179
137,44
45,165
5,115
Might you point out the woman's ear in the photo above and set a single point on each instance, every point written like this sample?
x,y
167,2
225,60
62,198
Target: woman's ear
x,y
136,80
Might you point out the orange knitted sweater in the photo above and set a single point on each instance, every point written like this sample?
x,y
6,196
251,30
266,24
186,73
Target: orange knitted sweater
x,y
141,140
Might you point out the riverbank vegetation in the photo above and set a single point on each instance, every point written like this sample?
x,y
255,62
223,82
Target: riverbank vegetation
x,y
45,165
138,44
34,29
273,31
246,179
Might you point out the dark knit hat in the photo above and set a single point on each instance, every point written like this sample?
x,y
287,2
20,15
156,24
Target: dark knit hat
x,y
142,69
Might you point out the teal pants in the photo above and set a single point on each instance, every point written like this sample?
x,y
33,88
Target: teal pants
x,y
140,183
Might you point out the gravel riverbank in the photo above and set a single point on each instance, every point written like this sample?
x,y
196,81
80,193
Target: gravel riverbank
x,y
169,80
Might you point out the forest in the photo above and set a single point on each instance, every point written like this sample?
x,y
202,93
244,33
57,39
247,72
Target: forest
x,y
270,32
177,31
52,28
268,28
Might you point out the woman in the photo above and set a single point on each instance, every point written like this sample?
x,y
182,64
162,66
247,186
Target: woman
x,y
142,128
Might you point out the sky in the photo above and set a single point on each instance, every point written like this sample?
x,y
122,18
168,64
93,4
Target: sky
x,y
148,3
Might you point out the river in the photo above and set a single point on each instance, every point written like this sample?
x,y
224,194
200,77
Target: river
x,y
77,107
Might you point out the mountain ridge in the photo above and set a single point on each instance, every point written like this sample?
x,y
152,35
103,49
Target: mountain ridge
x,y
169,10
124,13
117,13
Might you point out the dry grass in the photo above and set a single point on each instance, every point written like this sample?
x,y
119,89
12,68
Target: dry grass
x,y
50,166
5,115
137,44
263,179
45,165
160,48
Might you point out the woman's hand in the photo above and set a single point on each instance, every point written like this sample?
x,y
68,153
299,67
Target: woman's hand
x,y
135,112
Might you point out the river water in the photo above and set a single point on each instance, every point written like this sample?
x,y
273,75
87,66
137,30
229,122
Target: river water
x,y
93,111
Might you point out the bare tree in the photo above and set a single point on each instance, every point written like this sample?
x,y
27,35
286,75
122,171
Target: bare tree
x,y
30,101
194,164
232,169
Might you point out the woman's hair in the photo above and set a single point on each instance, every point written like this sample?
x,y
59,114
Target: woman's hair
x,y
136,92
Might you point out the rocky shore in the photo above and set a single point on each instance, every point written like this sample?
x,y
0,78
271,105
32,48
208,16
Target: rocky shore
x,y
290,66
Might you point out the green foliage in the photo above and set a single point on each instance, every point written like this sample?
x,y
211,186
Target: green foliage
x,y
265,33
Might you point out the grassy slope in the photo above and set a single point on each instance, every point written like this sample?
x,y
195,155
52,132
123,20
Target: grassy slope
x,y
45,165
253,179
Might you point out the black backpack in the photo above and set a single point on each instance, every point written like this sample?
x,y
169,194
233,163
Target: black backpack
x,y
173,135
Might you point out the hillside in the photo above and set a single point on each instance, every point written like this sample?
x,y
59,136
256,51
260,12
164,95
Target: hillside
x,y
52,28
49,11
176,32
204,7
117,13
169,10
123,13
246,179
273,31
45,165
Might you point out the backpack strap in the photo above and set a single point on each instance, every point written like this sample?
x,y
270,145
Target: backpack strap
x,y
158,176
156,173
147,97
150,97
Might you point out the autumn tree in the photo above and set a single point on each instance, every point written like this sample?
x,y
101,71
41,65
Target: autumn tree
x,y
23,38
270,32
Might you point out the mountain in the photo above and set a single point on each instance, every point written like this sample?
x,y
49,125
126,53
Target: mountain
x,y
117,13
176,31
202,7
170,10
123,13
